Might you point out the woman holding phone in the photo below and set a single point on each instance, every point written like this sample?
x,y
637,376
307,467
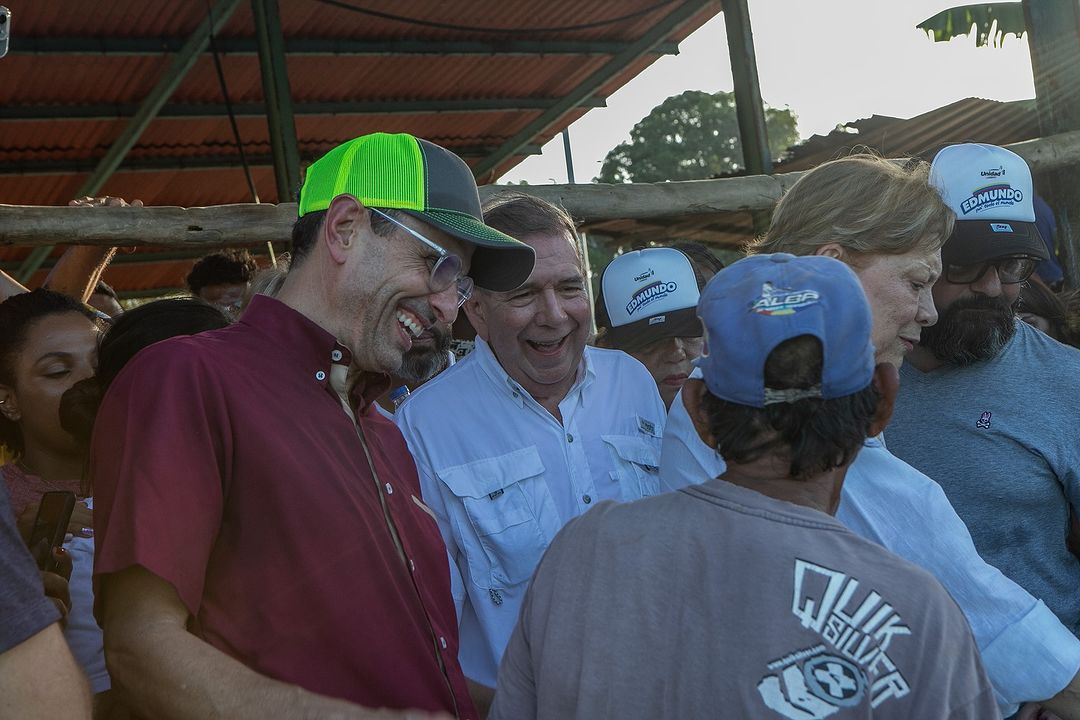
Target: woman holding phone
x,y
49,342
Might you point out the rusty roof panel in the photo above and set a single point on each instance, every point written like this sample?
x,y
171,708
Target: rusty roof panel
x,y
47,160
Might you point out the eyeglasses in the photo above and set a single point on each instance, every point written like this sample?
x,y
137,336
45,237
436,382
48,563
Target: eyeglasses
x,y
1010,270
447,269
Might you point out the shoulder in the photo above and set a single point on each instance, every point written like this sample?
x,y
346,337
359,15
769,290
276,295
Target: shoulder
x,y
460,378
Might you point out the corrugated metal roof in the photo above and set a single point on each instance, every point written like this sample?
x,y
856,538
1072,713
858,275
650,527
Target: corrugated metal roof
x,y
967,120
66,59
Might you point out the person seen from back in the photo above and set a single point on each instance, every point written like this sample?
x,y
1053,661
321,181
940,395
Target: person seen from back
x,y
742,596
888,224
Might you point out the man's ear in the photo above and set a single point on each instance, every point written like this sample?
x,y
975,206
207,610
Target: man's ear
x,y
475,311
9,404
693,392
887,382
344,218
833,250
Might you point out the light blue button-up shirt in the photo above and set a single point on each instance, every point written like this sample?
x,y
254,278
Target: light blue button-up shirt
x,y
503,476
1028,654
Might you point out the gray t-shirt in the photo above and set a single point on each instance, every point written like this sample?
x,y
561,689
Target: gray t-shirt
x,y
716,601
24,610
1002,438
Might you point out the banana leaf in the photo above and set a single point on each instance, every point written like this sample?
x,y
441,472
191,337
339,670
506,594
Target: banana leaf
x,y
990,20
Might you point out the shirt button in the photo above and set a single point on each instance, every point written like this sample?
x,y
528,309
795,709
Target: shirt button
x,y
516,394
389,489
569,438
320,376
442,641
586,499
336,355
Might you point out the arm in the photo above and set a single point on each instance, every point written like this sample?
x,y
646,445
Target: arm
x,y
10,286
1066,703
39,680
78,270
166,672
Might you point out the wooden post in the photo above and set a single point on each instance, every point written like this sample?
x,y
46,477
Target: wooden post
x,y
753,135
1054,43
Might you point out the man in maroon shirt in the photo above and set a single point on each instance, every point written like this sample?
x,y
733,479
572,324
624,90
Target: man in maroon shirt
x,y
262,548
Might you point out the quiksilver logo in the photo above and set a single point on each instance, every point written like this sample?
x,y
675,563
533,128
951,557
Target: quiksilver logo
x,y
991,196
650,293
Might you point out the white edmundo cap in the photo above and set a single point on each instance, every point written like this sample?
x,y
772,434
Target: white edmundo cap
x,y
990,190
647,295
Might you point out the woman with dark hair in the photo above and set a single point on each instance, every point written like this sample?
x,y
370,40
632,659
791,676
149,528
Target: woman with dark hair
x,y
132,331
50,343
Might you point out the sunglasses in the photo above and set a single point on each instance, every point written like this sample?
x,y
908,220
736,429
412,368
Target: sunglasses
x,y
1010,270
447,269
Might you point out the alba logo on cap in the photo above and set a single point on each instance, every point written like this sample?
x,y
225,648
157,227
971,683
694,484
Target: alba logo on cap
x,y
649,294
783,301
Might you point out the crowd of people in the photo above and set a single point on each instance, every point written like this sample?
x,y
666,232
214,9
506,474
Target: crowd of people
x,y
836,478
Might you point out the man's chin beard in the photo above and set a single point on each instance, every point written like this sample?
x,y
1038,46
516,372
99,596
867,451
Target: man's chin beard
x,y
971,330
420,364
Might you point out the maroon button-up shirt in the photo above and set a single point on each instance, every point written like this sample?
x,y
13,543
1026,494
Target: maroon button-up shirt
x,y
226,464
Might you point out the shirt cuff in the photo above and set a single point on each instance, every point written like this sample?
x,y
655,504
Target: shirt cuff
x,y
1033,659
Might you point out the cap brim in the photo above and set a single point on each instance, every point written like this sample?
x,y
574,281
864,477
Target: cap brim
x,y
636,335
975,241
500,262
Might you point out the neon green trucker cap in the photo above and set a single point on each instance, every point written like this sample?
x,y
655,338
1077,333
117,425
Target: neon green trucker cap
x,y
428,182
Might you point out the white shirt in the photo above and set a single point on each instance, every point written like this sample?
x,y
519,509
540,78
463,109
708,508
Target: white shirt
x,y
503,476
1028,654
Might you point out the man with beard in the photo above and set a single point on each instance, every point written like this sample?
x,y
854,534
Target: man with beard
x,y
988,404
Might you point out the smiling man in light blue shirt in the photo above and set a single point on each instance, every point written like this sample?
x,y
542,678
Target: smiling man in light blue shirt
x,y
527,432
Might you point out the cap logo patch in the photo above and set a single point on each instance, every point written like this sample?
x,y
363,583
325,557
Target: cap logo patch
x,y
1001,227
658,320
994,172
647,274
783,301
991,196
649,294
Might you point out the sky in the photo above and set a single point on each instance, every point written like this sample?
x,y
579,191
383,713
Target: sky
x,y
829,61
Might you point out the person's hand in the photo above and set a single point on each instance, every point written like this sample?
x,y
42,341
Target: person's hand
x,y
82,521
56,583
1034,711
80,525
107,201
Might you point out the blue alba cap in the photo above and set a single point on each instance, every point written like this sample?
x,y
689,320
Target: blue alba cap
x,y
753,305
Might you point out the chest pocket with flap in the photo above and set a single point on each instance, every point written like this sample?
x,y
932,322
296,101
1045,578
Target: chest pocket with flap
x,y
500,496
637,461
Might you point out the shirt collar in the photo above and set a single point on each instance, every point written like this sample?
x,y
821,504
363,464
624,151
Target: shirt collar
x,y
312,347
491,367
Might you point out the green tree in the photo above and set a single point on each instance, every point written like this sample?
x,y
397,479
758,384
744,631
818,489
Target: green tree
x,y
692,136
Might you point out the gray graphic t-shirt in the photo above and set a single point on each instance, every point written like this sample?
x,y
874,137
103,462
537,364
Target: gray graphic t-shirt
x,y
717,602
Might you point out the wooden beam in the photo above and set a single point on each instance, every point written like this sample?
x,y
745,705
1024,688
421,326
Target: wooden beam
x,y
248,224
105,111
324,46
183,62
634,51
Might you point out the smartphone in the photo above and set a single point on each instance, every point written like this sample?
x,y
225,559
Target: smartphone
x,y
5,30
50,526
